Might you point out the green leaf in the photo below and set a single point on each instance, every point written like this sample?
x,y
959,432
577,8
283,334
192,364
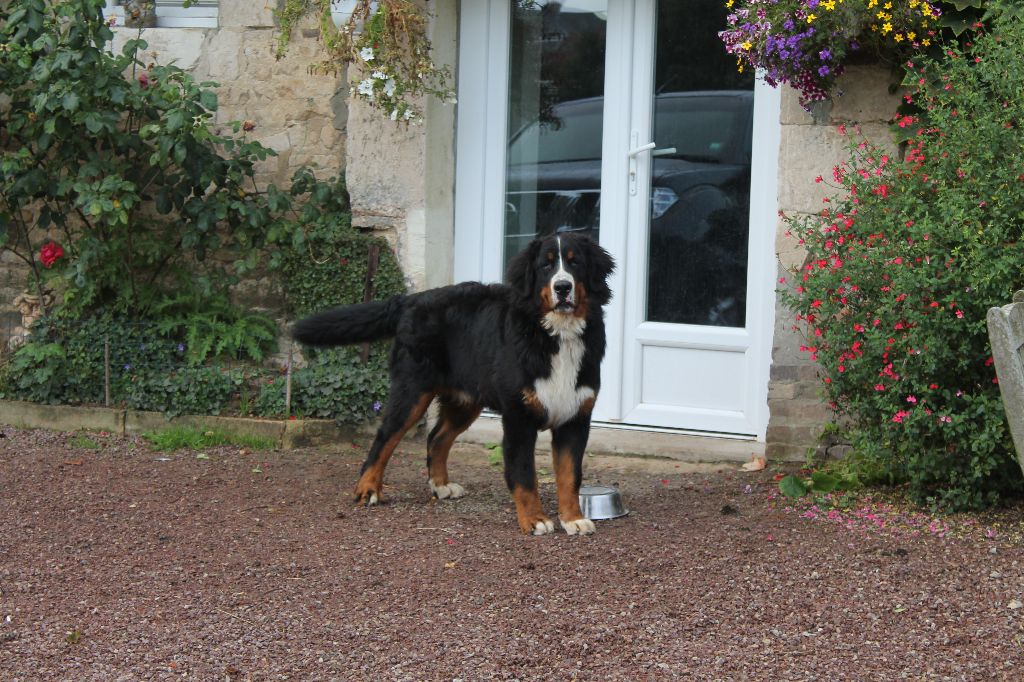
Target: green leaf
x,y
822,482
70,101
175,120
208,98
793,487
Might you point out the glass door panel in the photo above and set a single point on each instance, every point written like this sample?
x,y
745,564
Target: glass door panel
x,y
700,175
555,119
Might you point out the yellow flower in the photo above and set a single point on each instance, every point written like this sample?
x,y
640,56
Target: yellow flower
x,y
914,3
886,28
898,37
887,5
872,3
926,42
729,3
883,15
829,5
746,45
911,35
811,18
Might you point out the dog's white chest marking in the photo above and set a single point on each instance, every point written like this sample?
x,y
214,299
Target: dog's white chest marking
x,y
558,392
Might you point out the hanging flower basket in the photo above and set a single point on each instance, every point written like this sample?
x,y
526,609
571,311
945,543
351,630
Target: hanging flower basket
x,y
808,43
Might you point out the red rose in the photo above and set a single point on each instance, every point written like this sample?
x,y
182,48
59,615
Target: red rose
x,y
144,80
50,253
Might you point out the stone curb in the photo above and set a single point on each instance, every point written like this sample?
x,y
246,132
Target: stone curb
x,y
288,434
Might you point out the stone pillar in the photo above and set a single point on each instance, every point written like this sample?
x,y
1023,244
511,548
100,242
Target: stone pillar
x,y
402,177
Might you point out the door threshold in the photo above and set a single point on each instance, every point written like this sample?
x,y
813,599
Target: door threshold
x,y
628,439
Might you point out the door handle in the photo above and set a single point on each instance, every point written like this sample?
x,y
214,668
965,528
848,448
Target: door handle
x,y
638,150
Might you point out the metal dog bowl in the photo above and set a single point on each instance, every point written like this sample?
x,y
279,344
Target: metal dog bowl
x,y
601,502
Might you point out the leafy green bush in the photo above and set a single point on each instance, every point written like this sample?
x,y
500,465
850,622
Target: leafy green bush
x,y
186,390
63,361
902,268
329,267
211,326
114,182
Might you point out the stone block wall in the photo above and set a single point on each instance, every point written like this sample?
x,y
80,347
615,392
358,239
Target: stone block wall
x,y
811,146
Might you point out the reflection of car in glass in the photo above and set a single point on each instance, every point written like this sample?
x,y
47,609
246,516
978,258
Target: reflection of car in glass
x,y
699,195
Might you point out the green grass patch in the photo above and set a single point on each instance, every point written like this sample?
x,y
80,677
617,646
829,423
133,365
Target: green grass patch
x,y
80,440
189,437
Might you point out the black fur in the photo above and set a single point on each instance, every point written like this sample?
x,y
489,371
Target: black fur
x,y
476,346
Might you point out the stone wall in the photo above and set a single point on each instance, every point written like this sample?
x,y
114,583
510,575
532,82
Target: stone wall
x,y
810,146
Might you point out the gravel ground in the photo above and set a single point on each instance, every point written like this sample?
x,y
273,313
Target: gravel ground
x,y
121,563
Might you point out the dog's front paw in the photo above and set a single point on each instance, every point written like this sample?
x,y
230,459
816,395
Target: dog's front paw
x,y
579,527
541,525
447,491
367,495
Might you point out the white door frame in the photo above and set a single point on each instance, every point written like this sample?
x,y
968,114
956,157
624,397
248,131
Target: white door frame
x,y
480,204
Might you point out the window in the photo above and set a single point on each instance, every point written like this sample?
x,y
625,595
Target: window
x,y
170,13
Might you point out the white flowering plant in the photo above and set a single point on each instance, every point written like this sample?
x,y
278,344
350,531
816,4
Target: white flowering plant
x,y
387,44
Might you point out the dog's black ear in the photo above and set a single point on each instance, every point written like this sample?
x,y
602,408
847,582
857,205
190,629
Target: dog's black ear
x,y
521,273
600,266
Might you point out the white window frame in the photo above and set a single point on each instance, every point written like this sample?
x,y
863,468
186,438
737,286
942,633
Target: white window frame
x,y
170,13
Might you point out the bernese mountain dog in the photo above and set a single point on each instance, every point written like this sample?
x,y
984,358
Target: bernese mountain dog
x,y
529,349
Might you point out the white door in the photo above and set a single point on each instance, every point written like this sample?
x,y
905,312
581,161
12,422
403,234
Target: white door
x,y
626,119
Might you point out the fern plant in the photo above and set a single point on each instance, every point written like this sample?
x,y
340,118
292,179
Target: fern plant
x,y
210,326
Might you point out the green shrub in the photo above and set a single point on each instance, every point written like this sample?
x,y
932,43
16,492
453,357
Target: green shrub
x,y
186,390
128,182
63,361
210,326
328,268
902,267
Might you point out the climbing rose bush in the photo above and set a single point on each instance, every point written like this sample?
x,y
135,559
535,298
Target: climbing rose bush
x,y
903,263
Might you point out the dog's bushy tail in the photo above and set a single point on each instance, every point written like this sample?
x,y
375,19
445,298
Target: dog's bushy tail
x,y
351,323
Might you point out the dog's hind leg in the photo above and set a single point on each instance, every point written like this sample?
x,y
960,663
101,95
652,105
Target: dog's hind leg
x,y
568,443
401,413
518,448
453,419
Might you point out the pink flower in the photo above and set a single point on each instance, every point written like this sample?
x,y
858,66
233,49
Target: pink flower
x,y
960,313
911,399
50,254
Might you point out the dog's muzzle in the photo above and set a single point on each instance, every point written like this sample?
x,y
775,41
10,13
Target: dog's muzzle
x,y
564,295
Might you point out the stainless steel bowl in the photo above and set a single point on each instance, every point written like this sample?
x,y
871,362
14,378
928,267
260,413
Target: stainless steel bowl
x,y
601,502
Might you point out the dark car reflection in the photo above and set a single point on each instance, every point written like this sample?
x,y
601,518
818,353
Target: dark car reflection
x,y
699,200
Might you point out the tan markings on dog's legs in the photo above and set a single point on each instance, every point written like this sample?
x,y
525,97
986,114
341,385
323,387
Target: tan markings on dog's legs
x,y
529,511
569,512
368,489
454,421
533,403
587,406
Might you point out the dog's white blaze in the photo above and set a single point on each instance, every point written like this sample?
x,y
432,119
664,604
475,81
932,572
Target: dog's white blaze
x,y
562,274
558,392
